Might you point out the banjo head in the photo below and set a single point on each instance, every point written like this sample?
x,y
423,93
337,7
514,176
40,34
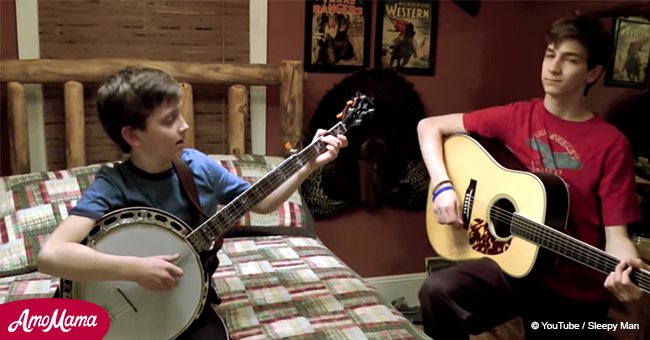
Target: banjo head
x,y
136,312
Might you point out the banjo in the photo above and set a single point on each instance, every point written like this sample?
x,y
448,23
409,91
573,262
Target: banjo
x,y
139,313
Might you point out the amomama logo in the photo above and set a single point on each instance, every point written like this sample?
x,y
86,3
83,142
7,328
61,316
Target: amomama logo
x,y
52,319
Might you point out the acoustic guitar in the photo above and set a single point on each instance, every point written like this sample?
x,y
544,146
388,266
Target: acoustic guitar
x,y
514,217
139,313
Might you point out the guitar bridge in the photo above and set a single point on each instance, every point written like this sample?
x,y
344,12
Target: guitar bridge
x,y
468,202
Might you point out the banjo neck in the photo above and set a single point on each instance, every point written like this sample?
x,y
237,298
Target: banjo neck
x,y
216,226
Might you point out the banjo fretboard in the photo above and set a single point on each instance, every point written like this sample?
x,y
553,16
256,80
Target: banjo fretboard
x,y
217,225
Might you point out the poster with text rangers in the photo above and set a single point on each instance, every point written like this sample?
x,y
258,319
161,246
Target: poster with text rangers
x,y
337,35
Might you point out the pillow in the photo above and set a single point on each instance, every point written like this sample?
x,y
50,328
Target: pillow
x,y
291,218
31,206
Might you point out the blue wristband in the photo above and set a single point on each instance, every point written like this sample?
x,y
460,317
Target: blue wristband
x,y
440,191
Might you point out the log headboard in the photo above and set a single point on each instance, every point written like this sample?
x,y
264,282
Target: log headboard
x,y
72,74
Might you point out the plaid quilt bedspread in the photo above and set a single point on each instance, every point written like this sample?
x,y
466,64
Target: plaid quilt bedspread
x,y
294,287
27,286
277,287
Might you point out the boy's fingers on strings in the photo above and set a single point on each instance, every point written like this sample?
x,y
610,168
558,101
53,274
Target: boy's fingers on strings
x,y
176,271
172,258
637,263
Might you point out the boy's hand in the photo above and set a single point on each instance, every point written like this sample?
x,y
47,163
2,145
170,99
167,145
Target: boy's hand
x,y
158,272
618,282
447,209
334,143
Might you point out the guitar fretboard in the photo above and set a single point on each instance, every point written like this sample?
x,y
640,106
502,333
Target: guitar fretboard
x,y
574,249
217,225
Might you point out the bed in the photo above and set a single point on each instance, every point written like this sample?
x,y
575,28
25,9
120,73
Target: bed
x,y
275,279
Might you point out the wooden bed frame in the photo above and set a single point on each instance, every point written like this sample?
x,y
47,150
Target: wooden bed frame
x,y
288,75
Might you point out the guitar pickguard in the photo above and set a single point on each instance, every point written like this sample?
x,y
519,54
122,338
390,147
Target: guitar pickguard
x,y
481,239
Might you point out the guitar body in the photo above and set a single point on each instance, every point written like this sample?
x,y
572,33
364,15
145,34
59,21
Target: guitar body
x,y
136,312
491,184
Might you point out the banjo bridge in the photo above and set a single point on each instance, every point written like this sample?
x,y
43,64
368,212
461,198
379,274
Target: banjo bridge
x,y
126,299
120,310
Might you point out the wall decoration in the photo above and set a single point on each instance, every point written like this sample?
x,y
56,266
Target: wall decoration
x,y
337,35
630,53
406,36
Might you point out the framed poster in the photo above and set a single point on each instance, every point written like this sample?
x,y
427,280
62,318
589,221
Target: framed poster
x,y
406,36
337,35
630,53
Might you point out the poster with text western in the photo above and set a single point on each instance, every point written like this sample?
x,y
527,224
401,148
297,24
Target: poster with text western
x,y
406,36
337,35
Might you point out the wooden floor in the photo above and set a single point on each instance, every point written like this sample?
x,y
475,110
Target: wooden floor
x,y
511,330
636,314
514,330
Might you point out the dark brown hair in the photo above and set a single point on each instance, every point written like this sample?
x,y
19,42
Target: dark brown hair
x,y
128,97
588,31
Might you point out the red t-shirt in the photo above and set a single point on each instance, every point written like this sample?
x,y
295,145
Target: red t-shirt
x,y
595,161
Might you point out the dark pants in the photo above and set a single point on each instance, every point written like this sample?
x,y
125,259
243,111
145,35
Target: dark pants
x,y
208,326
475,296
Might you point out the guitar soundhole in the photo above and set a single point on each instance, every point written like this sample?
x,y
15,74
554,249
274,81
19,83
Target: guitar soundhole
x,y
501,218
492,236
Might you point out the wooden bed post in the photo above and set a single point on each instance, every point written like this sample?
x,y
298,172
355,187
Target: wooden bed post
x,y
291,103
75,124
18,137
187,110
237,113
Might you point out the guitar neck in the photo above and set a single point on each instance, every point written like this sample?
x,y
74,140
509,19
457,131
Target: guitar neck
x,y
217,225
573,249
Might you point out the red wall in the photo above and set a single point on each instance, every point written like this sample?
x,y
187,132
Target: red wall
x,y
8,39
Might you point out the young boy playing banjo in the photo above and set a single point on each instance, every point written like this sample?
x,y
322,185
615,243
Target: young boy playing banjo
x,y
139,109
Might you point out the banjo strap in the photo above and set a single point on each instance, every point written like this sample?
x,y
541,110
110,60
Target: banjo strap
x,y
188,185
210,260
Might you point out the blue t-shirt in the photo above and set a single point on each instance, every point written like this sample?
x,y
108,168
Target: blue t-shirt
x,y
125,185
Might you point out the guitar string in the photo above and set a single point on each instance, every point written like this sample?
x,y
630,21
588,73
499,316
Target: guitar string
x,y
643,280
563,240
505,216
508,216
